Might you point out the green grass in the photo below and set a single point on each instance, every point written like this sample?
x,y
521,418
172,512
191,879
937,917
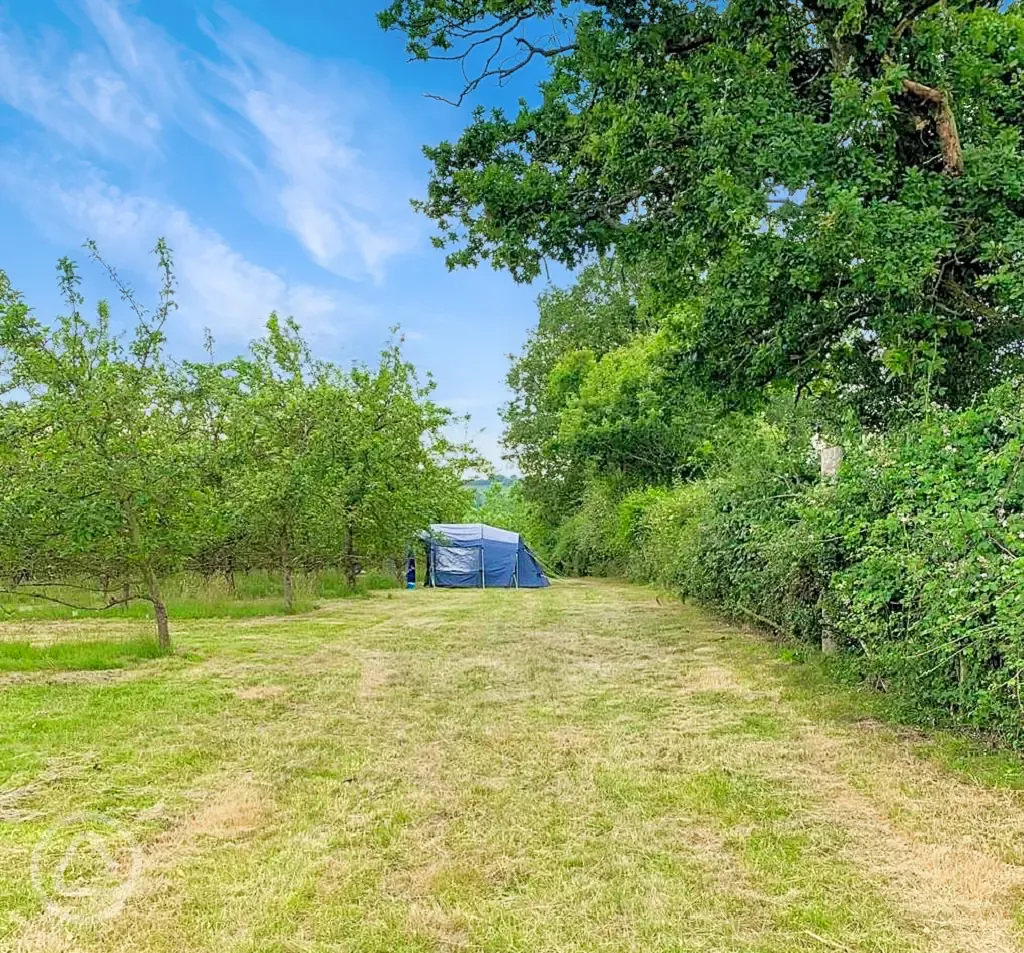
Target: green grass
x,y
190,596
822,687
90,655
578,769
178,608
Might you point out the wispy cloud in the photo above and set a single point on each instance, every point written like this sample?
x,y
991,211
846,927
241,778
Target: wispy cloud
x,y
79,97
308,134
218,287
311,136
321,135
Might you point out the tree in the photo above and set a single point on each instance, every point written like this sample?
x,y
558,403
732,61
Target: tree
x,y
835,189
275,489
323,467
635,413
602,310
400,472
97,458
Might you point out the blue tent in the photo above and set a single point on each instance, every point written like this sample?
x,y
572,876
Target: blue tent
x,y
475,556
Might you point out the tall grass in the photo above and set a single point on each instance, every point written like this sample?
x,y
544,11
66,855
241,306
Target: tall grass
x,y
86,655
192,596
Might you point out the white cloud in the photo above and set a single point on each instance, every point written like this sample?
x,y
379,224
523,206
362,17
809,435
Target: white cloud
x,y
308,134
151,61
312,137
323,149
81,98
218,287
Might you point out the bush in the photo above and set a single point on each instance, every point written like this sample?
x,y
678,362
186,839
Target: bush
x,y
588,541
931,586
911,560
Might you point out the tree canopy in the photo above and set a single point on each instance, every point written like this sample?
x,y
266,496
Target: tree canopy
x,y
835,189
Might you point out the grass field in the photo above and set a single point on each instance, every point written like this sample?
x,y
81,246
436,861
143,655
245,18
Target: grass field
x,y
585,768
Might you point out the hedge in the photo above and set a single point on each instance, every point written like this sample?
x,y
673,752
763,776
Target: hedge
x,y
910,560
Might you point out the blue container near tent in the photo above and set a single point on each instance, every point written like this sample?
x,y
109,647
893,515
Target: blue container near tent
x,y
477,556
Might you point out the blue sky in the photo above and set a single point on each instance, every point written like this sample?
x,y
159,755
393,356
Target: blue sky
x,y
275,145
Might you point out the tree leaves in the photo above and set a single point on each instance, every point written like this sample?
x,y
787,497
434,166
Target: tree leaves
x,y
120,465
808,172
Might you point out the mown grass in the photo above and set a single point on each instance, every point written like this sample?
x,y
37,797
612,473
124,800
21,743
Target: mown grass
x,y
578,769
823,687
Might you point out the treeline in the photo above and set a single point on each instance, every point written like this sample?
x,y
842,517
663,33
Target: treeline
x,y
120,466
804,225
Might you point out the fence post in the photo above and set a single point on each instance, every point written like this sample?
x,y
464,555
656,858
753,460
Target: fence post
x,y
831,459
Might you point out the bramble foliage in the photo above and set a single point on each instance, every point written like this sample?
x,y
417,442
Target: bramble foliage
x,y
119,465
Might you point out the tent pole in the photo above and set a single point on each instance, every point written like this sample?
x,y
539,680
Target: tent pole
x,y
483,570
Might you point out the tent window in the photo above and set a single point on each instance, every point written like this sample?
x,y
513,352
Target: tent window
x,y
456,559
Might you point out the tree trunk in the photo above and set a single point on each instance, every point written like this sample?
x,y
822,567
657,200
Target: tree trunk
x,y
126,592
945,124
350,557
229,577
289,587
163,632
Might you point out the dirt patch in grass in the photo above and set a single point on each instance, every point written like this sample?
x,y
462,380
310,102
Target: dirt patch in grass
x,y
261,693
237,810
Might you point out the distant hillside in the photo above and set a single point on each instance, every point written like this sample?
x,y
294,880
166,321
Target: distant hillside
x,y
480,486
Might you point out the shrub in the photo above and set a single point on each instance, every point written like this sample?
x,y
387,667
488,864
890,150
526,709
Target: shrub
x,y
931,587
911,560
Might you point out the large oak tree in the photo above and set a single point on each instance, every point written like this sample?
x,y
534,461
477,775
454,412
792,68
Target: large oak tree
x,y
836,187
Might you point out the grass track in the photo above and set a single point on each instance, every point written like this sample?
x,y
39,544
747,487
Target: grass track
x,y
584,768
